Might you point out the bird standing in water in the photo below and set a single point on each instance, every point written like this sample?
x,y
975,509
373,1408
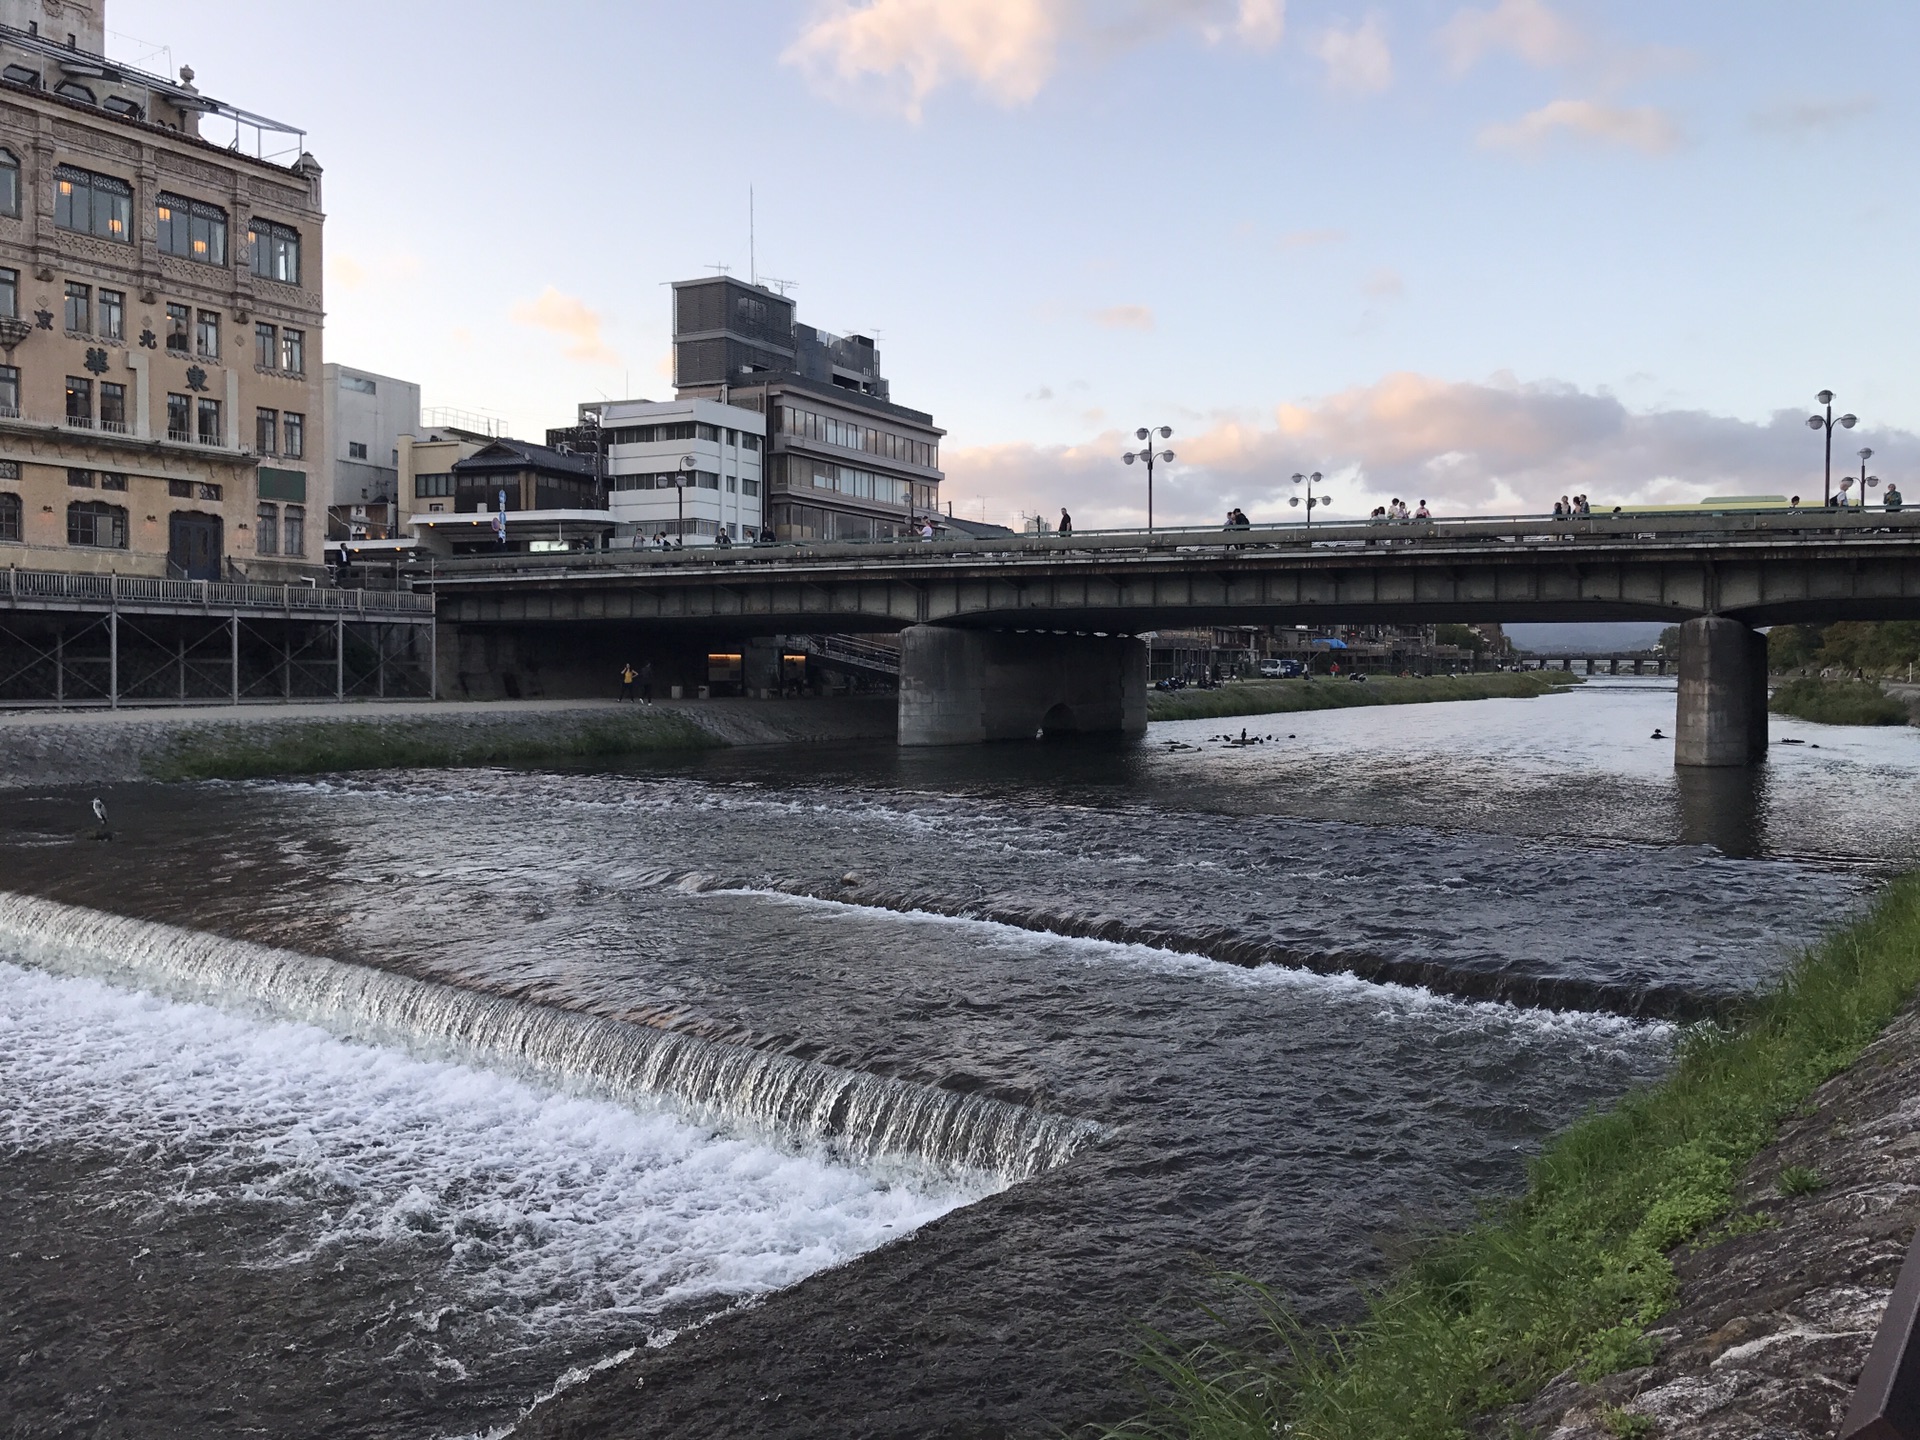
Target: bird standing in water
x,y
100,814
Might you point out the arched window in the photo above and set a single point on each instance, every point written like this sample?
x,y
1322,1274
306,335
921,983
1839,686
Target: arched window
x,y
9,183
10,520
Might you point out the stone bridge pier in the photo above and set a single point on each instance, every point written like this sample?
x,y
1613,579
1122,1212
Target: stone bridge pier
x,y
1723,694
961,687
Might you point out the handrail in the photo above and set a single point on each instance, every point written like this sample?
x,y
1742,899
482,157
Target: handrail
x,y
116,589
1729,526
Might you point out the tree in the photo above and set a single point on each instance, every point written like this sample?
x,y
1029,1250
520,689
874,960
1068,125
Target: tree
x,y
1465,636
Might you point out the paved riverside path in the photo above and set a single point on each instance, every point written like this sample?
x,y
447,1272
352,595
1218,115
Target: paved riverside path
x,y
68,747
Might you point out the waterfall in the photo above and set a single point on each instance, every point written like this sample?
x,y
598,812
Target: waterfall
x,y
856,1115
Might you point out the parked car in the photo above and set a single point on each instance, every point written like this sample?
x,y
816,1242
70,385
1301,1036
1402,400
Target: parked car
x,y
1279,669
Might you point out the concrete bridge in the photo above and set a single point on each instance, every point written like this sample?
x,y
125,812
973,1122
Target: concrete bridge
x,y
1007,637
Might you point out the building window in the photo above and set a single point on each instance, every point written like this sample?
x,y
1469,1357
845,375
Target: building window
x,y
179,317
92,204
209,421
79,479
179,417
10,294
10,391
180,489
192,229
112,480
356,450
266,529
113,314
293,435
79,402
427,487
276,252
266,431
295,531
74,90
126,109
293,351
749,487
9,184
266,346
203,491
750,442
10,518
21,74
79,307
113,407
207,336
96,523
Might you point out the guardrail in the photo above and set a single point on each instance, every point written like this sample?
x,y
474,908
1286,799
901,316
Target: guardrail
x,y
1730,526
44,586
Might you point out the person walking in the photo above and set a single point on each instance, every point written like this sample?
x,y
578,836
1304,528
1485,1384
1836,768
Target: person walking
x,y
1423,513
1066,521
646,682
627,676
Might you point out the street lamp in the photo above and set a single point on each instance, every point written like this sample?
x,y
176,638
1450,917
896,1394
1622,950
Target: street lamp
x,y
1165,457
680,478
1866,481
1815,422
1312,499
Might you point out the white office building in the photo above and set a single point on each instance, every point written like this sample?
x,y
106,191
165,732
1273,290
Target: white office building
x,y
684,468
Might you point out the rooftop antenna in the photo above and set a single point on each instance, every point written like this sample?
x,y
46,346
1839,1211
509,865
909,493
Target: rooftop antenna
x,y
719,269
781,285
753,263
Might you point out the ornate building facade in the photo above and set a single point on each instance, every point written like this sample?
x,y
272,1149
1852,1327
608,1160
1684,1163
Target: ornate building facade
x,y
161,408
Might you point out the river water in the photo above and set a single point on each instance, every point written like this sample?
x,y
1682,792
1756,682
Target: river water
x,y
839,1090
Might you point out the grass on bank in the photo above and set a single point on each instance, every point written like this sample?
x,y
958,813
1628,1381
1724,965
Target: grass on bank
x,y
243,752
1575,1270
1278,697
1837,702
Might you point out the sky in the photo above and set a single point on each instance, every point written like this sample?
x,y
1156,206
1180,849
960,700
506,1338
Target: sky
x,y
1481,254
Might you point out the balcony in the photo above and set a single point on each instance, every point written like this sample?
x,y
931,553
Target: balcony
x,y
119,434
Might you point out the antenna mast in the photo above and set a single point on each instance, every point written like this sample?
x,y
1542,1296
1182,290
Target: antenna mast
x,y
753,265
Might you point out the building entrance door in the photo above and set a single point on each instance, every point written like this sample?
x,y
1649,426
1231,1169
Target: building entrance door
x,y
193,545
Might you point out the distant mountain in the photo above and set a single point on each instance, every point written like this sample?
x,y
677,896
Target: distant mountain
x,y
1598,638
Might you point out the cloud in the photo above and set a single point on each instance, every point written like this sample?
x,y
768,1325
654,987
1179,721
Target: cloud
x,y
1814,117
1308,239
568,317
1124,317
1498,446
1385,284
901,52
1358,61
1642,127
1526,29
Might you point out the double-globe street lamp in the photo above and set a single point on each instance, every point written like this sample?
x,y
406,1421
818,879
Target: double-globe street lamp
x,y
1165,457
680,478
1816,422
1312,499
1866,481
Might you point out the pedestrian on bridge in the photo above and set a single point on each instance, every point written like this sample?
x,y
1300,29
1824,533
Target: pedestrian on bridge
x,y
1066,521
1893,501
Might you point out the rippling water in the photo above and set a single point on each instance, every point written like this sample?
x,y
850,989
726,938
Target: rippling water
x,y
341,1228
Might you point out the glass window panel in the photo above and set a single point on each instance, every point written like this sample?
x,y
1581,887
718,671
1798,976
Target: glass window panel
x,y
293,435
10,294
113,314
209,418
293,351
179,417
9,390
294,533
266,431
266,346
113,407
266,529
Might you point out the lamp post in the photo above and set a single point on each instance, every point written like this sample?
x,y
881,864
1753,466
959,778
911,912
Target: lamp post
x,y
1866,481
1165,457
1312,500
687,464
1815,422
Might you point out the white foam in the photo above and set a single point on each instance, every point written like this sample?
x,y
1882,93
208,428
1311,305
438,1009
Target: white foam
x,y
569,1217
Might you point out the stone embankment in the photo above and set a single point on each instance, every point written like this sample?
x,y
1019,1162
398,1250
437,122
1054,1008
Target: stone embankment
x,y
107,746
1773,1325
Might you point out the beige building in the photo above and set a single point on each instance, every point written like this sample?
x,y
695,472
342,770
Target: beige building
x,y
161,409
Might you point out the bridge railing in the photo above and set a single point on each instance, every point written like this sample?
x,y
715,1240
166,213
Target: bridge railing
x,y
50,587
1728,526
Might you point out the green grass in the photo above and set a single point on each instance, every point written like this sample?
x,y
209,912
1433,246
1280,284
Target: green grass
x,y
1278,697
241,751
1575,1270
1799,1180
1838,702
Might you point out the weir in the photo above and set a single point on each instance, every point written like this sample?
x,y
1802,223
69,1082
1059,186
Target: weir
x,y
856,1115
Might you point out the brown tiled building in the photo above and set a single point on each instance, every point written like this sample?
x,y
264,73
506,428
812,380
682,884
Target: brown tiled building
x,y
160,318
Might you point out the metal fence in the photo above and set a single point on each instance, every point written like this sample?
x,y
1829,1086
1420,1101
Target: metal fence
x,y
45,587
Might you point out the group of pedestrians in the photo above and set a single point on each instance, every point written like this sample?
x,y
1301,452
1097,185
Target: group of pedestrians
x,y
1575,508
642,678
1396,509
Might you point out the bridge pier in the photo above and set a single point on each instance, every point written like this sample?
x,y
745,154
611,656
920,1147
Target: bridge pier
x,y
1723,694
962,687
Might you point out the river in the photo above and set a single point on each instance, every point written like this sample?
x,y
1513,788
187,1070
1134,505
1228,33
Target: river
x,y
840,1090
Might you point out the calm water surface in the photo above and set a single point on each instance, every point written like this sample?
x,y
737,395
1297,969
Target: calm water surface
x,y
223,1220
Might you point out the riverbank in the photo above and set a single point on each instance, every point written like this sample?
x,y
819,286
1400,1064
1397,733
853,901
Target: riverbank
x,y
1752,1201
1281,697
105,746
1839,702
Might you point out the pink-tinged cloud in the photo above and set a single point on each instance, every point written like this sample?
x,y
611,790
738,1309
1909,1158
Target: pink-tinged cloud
x,y
901,52
1358,61
1646,128
1498,447
570,318
1526,29
1124,317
